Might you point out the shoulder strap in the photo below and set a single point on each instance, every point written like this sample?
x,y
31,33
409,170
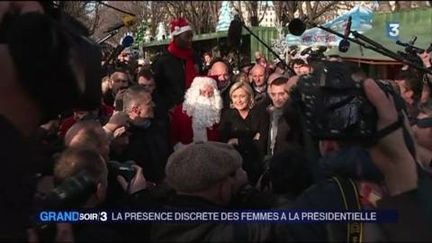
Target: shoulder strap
x,y
350,197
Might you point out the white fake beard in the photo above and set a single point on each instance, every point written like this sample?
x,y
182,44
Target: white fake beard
x,y
204,115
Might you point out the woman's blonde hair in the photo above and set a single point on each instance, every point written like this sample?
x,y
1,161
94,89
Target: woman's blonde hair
x,y
246,87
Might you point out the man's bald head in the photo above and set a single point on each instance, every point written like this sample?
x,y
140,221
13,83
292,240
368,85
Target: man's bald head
x,y
220,70
258,73
89,134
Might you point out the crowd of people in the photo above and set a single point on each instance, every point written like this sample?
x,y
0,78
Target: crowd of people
x,y
192,134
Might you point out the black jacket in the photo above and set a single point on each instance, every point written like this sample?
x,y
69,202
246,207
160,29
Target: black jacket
x,y
17,182
169,74
232,125
150,149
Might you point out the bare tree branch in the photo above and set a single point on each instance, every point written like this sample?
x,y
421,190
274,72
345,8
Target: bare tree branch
x,y
324,9
264,13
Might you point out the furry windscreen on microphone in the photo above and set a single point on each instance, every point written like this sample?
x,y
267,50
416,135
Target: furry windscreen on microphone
x,y
234,32
296,27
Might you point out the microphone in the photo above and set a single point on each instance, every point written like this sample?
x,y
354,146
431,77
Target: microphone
x,y
127,41
344,44
297,27
234,32
127,21
413,40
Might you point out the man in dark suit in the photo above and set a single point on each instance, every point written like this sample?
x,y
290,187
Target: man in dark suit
x,y
280,119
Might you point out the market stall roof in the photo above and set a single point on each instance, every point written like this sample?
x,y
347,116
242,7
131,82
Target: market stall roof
x,y
208,36
413,22
361,22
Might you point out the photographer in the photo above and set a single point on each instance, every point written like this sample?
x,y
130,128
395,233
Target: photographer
x,y
78,162
90,134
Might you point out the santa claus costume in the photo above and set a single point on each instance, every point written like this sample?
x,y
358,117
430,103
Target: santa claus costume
x,y
198,117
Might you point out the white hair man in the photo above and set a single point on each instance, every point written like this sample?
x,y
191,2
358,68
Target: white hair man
x,y
198,117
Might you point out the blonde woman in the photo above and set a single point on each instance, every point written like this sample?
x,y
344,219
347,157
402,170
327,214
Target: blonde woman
x,y
242,126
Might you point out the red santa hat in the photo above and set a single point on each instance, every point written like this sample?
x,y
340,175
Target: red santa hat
x,y
179,26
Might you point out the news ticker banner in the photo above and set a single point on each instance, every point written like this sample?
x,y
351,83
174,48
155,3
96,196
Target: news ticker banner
x,y
237,216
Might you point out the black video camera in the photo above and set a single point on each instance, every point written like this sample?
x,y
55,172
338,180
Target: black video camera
x,y
124,169
314,54
335,106
73,192
55,61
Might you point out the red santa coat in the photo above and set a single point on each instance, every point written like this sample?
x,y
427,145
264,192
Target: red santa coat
x,y
181,128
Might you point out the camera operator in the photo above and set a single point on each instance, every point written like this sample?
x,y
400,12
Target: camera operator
x,y
383,176
17,128
36,53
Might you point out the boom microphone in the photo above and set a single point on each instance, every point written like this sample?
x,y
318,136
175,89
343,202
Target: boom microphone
x,y
127,41
297,27
127,21
344,44
234,32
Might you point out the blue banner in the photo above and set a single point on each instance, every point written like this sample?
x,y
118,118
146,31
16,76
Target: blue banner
x,y
235,216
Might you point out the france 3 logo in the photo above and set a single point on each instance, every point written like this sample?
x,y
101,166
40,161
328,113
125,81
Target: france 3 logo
x,y
72,216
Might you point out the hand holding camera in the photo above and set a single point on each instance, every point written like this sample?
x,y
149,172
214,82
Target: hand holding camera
x,y
391,154
131,178
368,112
